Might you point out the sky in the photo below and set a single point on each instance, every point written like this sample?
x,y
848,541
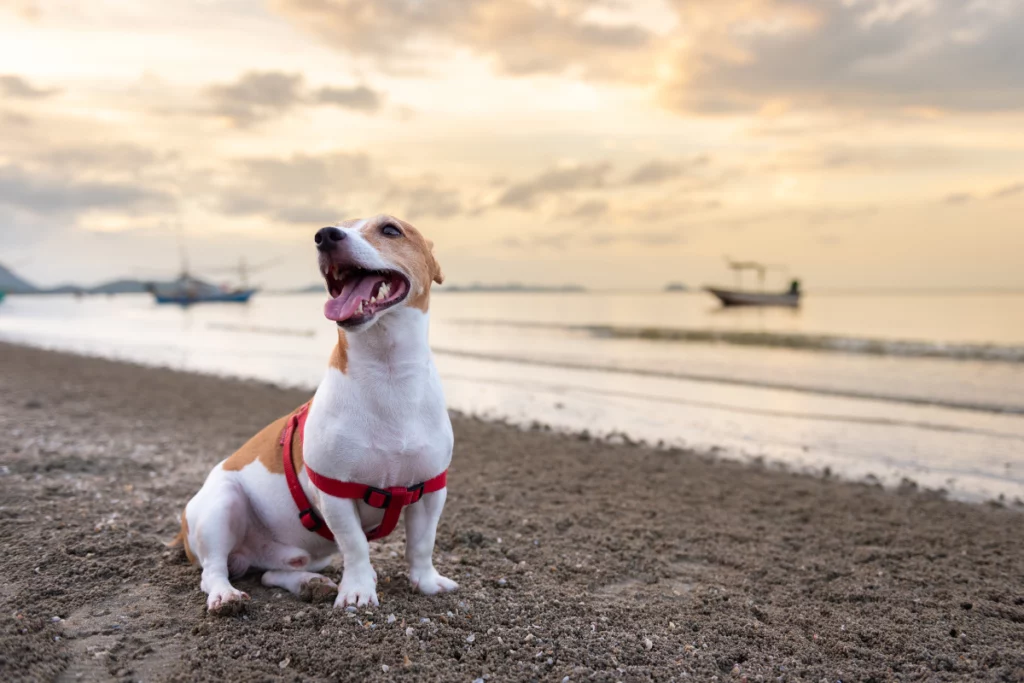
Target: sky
x,y
612,143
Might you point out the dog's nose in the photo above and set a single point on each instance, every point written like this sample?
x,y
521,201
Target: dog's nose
x,y
326,238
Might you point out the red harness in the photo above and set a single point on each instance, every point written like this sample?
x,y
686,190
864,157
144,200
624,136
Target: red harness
x,y
391,499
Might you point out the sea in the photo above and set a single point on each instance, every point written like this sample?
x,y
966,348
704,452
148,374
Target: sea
x,y
896,389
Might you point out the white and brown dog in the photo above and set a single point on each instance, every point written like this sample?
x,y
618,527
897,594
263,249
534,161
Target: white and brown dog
x,y
376,438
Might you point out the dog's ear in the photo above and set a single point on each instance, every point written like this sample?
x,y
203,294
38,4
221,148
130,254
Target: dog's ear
x,y
435,268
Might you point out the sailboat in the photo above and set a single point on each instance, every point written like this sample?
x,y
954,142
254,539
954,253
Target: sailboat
x,y
742,297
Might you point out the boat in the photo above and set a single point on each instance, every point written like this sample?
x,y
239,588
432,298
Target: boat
x,y
730,297
187,290
745,297
239,296
2,294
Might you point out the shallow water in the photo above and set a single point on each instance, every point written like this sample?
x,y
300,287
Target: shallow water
x,y
954,424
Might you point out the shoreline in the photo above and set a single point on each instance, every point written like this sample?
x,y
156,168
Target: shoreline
x,y
618,437
579,558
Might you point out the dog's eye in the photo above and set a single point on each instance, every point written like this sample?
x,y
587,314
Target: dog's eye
x,y
391,231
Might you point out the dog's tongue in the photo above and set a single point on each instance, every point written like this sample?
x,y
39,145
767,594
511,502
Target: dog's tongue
x,y
353,292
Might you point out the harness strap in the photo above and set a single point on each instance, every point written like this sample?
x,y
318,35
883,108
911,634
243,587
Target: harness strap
x,y
307,515
391,499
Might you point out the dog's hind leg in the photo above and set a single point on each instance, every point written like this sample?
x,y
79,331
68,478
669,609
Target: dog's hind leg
x,y
307,585
218,518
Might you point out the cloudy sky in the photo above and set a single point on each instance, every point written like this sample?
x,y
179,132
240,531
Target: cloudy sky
x,y
613,143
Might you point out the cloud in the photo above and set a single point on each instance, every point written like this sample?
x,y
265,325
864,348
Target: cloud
x,y
1000,193
958,198
259,96
256,96
13,119
638,235
870,157
588,210
520,37
1008,191
555,181
313,189
425,200
120,158
549,239
655,172
17,88
298,189
242,202
561,239
563,182
25,9
43,194
814,218
743,56
726,56
359,97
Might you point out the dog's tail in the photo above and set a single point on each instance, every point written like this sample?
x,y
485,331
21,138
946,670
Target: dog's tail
x,y
181,539
177,541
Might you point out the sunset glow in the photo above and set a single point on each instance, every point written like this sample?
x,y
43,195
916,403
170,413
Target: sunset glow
x,y
615,145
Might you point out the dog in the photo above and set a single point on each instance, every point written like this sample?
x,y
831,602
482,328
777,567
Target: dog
x,y
374,441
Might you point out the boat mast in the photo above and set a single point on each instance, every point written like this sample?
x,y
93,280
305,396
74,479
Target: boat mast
x,y
182,254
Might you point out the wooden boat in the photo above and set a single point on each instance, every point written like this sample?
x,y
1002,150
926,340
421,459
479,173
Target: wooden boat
x,y
746,297
238,296
730,297
188,290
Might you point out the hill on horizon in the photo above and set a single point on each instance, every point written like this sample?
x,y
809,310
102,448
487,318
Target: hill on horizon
x,y
12,283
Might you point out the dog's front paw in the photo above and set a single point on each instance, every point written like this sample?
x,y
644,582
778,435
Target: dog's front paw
x,y
357,590
226,603
429,582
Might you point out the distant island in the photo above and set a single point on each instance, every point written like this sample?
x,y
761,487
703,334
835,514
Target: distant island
x,y
12,283
676,287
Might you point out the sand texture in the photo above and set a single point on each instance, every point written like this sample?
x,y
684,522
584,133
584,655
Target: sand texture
x,y
576,559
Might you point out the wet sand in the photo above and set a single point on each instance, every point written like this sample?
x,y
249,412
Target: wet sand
x,y
577,559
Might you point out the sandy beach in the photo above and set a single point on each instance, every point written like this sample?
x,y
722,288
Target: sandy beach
x,y
577,559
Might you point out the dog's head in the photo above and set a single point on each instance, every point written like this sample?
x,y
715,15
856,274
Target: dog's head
x,y
372,266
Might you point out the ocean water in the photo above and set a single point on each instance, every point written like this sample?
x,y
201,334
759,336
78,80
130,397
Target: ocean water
x,y
925,388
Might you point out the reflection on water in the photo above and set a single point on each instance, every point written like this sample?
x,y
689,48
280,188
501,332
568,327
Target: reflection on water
x,y
944,423
975,319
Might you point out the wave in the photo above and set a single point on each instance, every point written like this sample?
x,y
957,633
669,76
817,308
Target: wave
x,y
786,340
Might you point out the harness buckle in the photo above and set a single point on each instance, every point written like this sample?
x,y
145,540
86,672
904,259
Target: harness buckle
x,y
310,519
415,493
377,498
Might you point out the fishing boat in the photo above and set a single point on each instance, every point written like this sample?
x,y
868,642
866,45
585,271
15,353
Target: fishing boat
x,y
188,293
730,297
187,290
745,297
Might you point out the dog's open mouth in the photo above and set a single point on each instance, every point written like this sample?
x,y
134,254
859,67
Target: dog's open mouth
x,y
358,294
